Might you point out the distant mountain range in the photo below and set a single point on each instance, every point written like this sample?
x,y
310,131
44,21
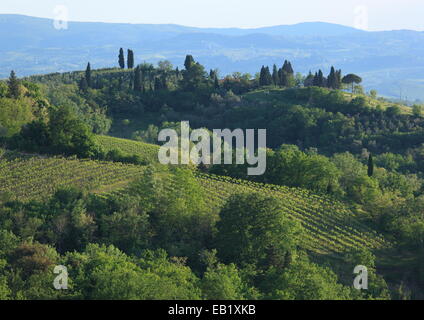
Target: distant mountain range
x,y
392,62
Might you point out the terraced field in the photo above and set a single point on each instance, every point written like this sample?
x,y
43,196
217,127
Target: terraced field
x,y
330,226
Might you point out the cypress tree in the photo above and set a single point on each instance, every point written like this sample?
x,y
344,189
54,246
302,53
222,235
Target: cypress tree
x,y
370,166
285,66
137,79
88,75
83,86
331,83
309,80
189,61
280,77
316,80
268,76
14,86
216,82
320,79
338,79
275,77
284,78
121,59
130,60
290,68
262,77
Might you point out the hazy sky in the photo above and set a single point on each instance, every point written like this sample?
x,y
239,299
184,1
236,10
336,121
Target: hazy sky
x,y
365,14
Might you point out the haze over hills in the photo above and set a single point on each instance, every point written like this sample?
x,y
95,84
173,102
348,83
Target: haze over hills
x,y
391,61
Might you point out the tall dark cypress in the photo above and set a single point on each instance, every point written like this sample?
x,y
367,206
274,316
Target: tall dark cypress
x,y
370,166
216,82
268,76
88,75
285,78
137,79
320,79
14,86
130,60
285,66
189,61
290,68
262,77
83,86
121,59
338,79
275,78
331,82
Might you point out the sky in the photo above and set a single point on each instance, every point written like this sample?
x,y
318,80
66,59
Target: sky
x,y
369,15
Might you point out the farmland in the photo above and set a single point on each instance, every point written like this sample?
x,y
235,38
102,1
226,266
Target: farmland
x,y
331,227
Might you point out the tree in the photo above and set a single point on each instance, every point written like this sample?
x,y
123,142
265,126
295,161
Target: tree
x,y
304,280
275,77
189,61
69,135
254,230
88,75
83,85
370,166
287,67
332,79
194,74
130,59
137,79
121,59
417,111
222,282
352,79
14,86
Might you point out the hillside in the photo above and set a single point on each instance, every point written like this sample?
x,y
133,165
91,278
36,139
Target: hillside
x,y
389,61
331,226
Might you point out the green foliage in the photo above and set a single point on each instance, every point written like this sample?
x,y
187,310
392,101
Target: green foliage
x,y
108,274
304,280
14,113
15,90
222,282
259,232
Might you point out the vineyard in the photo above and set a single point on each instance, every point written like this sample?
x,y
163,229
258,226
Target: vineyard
x,y
33,178
330,226
147,152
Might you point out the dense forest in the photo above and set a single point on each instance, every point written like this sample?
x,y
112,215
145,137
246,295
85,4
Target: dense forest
x,y
161,235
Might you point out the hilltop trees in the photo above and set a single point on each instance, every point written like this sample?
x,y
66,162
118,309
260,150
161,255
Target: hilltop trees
x,y
351,79
265,77
194,74
283,77
334,79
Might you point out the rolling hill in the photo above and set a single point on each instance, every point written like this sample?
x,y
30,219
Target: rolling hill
x,y
391,61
